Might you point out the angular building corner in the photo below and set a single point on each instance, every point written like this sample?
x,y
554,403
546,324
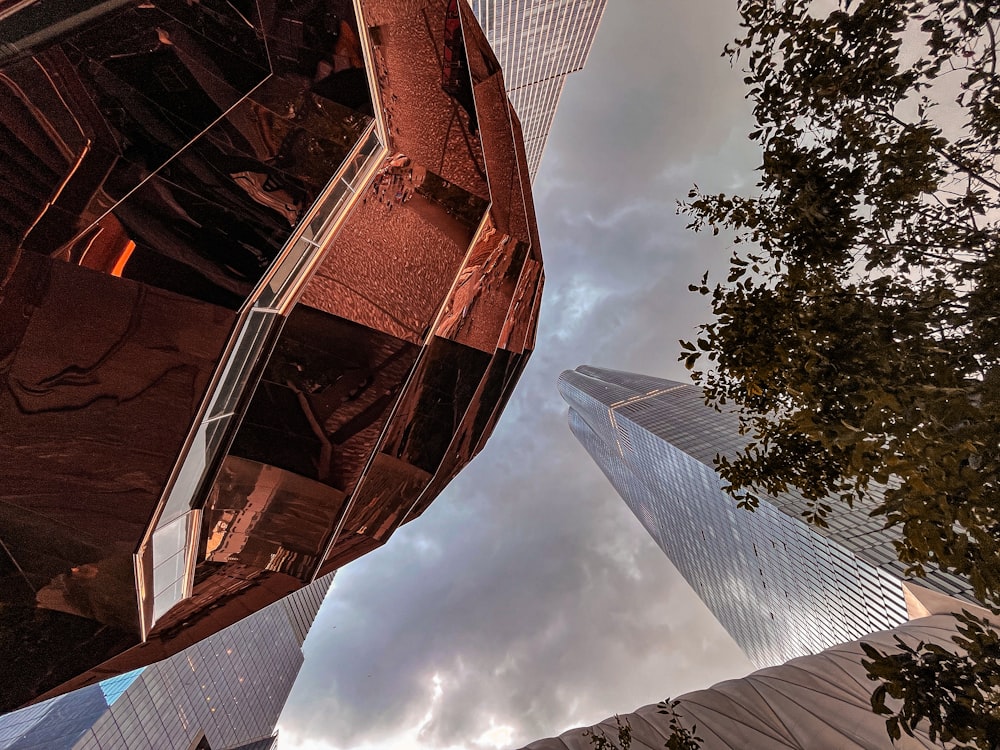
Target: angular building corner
x,y
781,587
269,273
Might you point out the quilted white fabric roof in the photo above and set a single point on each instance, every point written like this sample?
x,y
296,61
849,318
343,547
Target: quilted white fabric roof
x,y
818,701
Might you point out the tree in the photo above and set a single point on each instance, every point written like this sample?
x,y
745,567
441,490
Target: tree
x,y
599,739
858,331
681,738
957,693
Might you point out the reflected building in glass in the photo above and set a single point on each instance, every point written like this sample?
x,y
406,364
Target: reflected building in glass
x,y
539,43
224,693
269,272
781,587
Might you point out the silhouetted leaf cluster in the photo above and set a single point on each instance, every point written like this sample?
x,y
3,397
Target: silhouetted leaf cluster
x,y
955,695
599,740
858,330
680,737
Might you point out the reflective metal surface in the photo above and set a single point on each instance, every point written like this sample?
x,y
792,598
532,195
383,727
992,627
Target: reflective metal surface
x,y
268,275
163,584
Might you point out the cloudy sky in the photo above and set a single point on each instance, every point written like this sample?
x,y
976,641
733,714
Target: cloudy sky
x,y
528,599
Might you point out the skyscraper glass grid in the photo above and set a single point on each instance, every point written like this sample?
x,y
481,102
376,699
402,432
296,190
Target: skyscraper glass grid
x,y
538,43
781,587
223,693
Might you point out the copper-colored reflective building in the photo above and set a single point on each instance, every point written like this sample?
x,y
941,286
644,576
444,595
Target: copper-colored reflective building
x,y
269,272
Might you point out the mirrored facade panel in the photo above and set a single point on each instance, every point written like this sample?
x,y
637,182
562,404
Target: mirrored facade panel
x,y
117,94
155,164
478,306
81,468
466,441
429,417
512,372
262,516
433,406
426,91
495,123
318,42
487,282
383,499
324,398
523,313
531,333
397,287
495,385
256,277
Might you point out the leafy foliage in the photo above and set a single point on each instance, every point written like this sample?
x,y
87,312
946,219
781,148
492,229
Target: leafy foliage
x,y
599,740
680,737
956,693
858,334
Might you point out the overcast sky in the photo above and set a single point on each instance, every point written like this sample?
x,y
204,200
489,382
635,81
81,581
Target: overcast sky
x,y
528,599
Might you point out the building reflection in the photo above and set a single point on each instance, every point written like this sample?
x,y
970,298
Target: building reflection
x,y
269,272
225,692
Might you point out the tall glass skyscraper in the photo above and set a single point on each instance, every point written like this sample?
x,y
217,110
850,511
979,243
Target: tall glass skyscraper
x,y
224,693
538,43
781,587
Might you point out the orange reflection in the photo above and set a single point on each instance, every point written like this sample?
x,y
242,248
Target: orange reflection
x,y
119,266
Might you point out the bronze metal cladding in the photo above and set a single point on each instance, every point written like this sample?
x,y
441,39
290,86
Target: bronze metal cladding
x,y
269,272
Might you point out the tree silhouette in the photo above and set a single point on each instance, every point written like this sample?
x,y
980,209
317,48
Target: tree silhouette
x,y
681,738
954,693
858,330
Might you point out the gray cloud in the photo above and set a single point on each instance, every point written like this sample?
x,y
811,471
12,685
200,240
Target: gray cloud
x,y
528,588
